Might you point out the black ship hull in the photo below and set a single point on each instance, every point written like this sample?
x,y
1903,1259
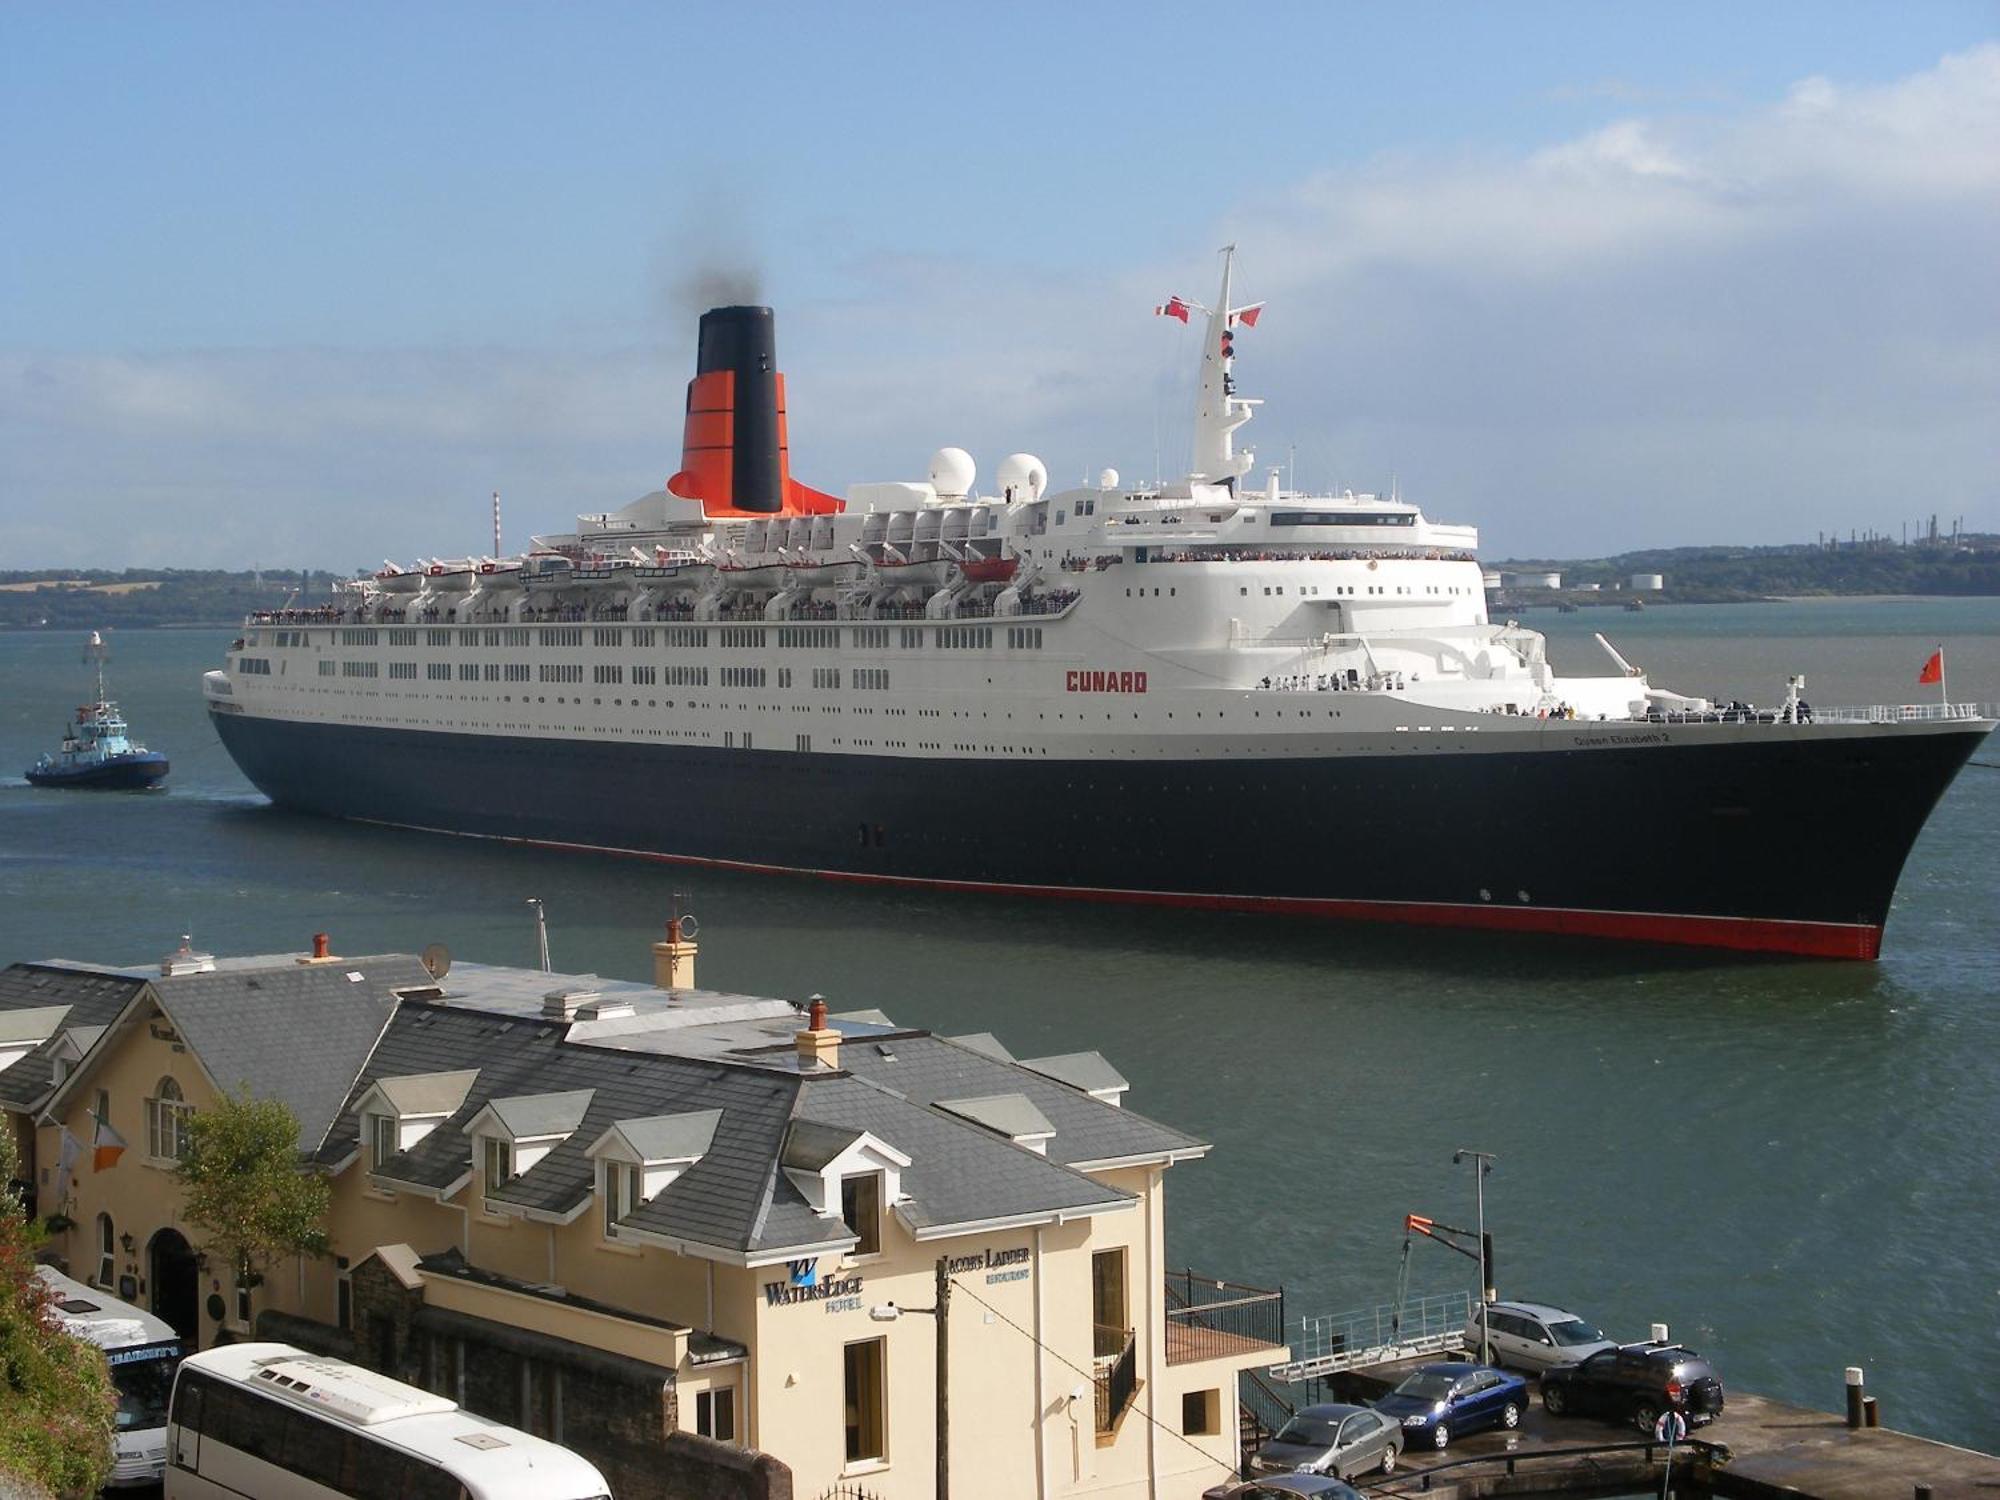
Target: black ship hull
x,y
1790,844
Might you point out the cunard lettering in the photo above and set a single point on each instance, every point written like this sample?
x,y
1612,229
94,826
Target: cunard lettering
x,y
1104,682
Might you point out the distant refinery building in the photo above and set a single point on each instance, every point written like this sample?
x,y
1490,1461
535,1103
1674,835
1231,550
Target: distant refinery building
x,y
1490,578
1649,582
1532,580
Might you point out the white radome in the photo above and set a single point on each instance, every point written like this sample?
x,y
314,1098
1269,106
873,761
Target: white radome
x,y
1022,476
1107,479
952,473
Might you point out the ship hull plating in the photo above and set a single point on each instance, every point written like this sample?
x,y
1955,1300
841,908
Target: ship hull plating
x,y
1792,845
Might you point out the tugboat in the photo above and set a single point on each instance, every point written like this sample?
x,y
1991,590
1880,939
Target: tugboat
x,y
96,750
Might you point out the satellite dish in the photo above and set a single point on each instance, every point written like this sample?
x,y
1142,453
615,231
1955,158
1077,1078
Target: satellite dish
x,y
952,473
689,926
437,960
1022,476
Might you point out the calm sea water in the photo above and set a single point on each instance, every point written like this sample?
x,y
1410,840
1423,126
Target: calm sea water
x,y
1793,1164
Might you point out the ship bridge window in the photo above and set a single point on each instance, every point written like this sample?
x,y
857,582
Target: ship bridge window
x,y
253,666
1342,518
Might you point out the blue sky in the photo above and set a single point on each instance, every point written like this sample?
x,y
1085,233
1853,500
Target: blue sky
x,y
303,283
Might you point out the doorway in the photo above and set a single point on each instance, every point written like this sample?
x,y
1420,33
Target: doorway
x,y
176,1283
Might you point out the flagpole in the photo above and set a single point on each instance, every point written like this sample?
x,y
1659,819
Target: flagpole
x,y
1944,699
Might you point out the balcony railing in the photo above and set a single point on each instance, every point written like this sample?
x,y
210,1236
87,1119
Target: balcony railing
x,y
1117,1375
1212,1319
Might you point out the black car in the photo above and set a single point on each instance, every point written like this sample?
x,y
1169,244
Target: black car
x,y
1636,1383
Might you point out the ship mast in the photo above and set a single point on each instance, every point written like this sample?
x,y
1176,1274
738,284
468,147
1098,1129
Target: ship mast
x,y
93,651
1219,411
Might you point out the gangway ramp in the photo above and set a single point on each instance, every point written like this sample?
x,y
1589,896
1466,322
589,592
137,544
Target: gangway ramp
x,y
1333,1342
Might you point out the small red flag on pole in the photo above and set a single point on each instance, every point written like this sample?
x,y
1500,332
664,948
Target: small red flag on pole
x,y
1173,307
1934,668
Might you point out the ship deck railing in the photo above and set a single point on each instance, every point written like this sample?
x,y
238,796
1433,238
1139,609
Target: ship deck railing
x,y
1905,713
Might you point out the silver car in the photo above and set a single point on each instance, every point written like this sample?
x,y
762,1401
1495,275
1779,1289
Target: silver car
x,y
1332,1439
1534,1336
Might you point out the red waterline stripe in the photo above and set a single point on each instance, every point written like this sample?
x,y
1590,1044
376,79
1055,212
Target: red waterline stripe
x,y
1850,940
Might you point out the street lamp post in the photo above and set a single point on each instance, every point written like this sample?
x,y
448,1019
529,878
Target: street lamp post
x,y
888,1312
1482,1162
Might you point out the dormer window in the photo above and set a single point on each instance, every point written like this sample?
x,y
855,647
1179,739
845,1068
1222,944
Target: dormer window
x,y
861,1211
381,1140
622,1194
498,1162
639,1159
396,1113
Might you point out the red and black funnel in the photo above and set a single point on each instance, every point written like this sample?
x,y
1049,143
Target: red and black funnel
x,y
733,448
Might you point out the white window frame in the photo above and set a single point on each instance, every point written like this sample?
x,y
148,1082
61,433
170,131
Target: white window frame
x,y
107,1247
622,1188
166,1122
378,1125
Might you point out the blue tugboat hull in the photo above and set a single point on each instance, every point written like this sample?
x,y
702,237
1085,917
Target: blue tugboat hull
x,y
123,773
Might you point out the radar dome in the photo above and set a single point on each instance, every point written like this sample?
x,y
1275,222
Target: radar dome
x,y
1107,479
1022,476
952,472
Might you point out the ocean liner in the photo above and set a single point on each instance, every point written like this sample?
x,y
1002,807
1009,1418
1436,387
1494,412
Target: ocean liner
x,y
1213,693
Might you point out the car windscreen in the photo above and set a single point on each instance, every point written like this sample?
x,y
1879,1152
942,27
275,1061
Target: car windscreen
x,y
1307,1432
143,1387
1426,1387
1575,1331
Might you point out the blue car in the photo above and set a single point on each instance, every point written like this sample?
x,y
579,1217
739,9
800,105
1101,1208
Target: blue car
x,y
1444,1401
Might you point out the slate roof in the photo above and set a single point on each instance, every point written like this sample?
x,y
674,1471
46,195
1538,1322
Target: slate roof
x,y
927,1069
92,999
299,1033
959,1173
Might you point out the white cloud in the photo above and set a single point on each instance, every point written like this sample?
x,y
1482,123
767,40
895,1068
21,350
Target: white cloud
x,y
1612,341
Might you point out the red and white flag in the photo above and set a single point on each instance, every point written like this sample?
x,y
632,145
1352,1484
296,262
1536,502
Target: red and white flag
x,y
1173,307
1247,316
1934,668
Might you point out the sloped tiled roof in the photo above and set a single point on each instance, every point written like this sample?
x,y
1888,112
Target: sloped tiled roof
x,y
31,1023
92,999
667,1138
299,1033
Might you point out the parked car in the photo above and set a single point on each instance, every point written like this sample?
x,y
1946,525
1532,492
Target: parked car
x,y
1533,1336
1439,1402
1635,1383
1332,1439
1284,1487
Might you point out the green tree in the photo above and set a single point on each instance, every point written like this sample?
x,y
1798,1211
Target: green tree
x,y
57,1405
246,1187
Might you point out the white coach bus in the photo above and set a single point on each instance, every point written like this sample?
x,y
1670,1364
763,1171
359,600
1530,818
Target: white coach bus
x,y
277,1423
142,1351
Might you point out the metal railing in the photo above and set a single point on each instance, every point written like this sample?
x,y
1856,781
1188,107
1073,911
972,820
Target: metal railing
x,y
1904,713
1209,1319
1117,1378
1332,1342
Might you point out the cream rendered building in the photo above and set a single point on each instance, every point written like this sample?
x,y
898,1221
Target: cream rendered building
x,y
667,1226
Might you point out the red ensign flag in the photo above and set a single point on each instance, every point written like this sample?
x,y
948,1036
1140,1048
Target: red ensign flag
x,y
1934,668
1172,308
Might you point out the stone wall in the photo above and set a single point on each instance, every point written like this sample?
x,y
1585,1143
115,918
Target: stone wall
x,y
619,1413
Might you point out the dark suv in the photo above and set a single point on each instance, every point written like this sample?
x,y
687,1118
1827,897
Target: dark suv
x,y
1636,1383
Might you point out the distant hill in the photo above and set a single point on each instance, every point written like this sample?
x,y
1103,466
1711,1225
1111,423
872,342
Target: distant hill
x,y
69,599
1711,574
